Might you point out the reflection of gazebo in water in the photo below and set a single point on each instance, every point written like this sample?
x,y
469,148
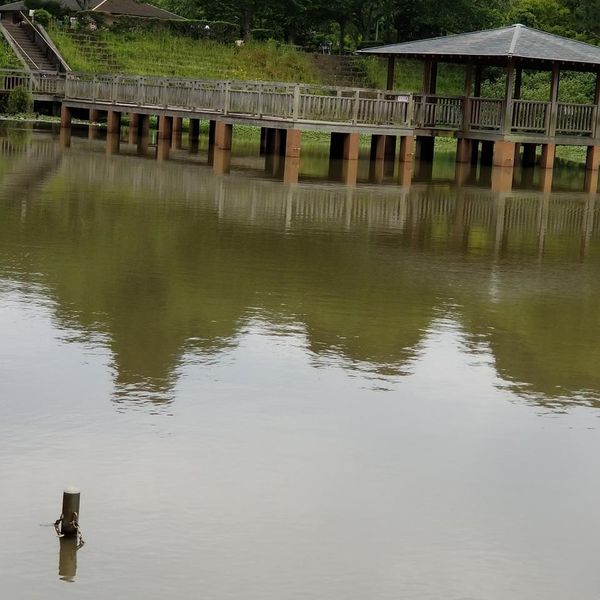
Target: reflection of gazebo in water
x,y
500,126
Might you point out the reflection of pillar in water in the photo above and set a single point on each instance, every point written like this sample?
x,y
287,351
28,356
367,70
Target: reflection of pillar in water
x,y
142,144
502,179
289,204
177,133
462,173
543,221
500,207
93,132
588,226
67,558
222,153
211,141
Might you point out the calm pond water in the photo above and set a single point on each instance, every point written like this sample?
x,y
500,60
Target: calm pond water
x,y
277,393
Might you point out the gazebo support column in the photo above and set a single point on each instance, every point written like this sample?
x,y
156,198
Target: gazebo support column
x,y
552,113
548,154
464,150
113,122
405,159
504,154
508,97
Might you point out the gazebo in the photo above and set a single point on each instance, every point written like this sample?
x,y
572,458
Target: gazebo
x,y
502,125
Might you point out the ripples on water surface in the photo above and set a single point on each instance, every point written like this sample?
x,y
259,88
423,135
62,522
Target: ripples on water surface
x,y
313,392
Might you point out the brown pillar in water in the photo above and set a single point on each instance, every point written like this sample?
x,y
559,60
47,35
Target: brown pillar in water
x,y
222,153
65,116
463,150
113,122
112,143
504,154
165,127
292,156
177,133
548,155
350,152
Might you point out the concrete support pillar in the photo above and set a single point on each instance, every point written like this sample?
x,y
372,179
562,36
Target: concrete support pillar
x,y
350,153
377,156
405,160
94,115
112,143
177,133
548,154
292,156
144,125
64,137
165,128
211,141
134,127
463,150
592,162
222,153
65,116
113,122
163,148
504,154
529,152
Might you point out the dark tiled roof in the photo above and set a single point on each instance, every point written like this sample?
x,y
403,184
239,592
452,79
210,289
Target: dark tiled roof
x,y
134,9
516,41
114,7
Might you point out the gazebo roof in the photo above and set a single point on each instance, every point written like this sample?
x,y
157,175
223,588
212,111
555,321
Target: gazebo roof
x,y
516,42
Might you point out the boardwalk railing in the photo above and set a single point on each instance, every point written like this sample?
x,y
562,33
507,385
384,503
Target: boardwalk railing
x,y
316,104
293,102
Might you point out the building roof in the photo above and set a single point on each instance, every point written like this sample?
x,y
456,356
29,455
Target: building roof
x,y
516,42
131,8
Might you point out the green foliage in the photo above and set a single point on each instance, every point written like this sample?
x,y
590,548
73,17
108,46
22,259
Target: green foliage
x,y
19,101
8,60
43,17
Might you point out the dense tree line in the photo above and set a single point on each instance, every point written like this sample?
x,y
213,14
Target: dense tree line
x,y
350,23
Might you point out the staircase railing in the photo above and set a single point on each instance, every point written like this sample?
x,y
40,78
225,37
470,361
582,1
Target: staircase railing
x,y
18,48
39,39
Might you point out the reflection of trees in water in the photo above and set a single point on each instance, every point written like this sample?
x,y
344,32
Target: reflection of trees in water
x,y
166,260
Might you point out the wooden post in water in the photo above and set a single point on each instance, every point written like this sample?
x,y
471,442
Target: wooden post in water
x,y
69,518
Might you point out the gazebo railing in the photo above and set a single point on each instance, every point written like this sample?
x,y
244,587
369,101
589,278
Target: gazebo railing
x,y
531,116
444,112
575,119
486,114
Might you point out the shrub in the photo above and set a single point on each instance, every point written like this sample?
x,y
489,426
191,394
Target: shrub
x,y
19,101
42,16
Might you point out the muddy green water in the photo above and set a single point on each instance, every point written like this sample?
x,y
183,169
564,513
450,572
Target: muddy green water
x,y
277,393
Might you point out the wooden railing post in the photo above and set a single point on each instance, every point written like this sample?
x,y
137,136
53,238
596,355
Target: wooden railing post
x,y
227,99
355,106
296,103
260,102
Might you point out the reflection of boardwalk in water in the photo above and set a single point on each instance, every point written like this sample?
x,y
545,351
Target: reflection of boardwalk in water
x,y
515,218
204,256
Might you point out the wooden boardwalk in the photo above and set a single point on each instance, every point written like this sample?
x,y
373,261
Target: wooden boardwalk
x,y
490,131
